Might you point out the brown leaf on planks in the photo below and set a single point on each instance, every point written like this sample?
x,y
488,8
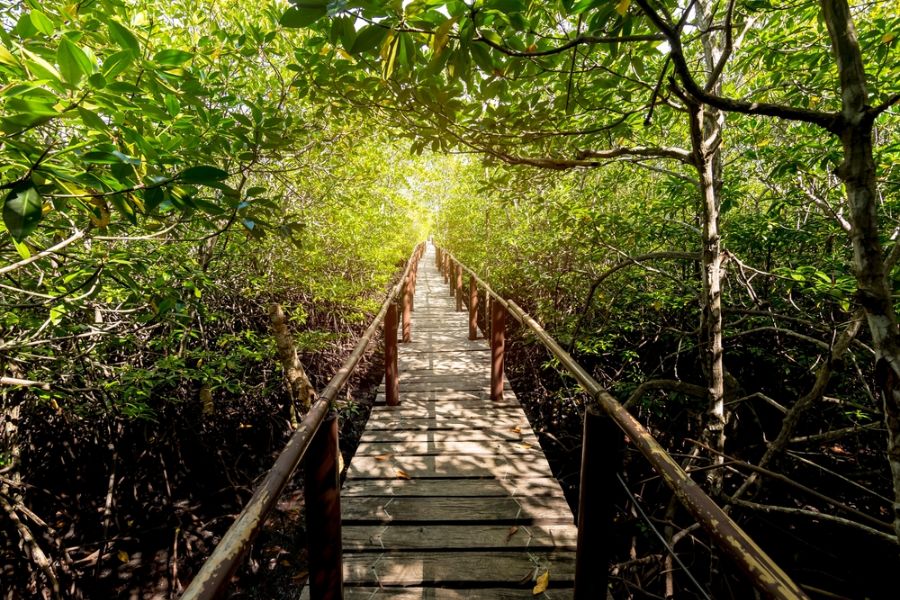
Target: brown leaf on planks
x,y
383,456
403,474
512,532
541,584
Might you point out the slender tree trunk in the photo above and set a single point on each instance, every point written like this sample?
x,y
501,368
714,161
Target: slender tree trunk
x,y
300,390
706,137
857,171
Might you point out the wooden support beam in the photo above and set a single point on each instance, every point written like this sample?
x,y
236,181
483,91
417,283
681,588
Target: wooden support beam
x,y
498,343
391,376
322,492
473,309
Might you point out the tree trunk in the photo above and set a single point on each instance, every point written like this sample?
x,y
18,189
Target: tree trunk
x,y
857,171
299,388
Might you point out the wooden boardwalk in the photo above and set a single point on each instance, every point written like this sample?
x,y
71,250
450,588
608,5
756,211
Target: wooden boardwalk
x,y
449,495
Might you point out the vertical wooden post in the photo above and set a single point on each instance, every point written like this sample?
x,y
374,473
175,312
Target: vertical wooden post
x,y
473,308
459,288
446,270
438,258
498,343
407,309
415,277
322,491
391,379
451,278
488,305
600,460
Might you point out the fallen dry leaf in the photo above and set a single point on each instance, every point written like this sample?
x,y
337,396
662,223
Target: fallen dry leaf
x,y
542,582
403,474
516,429
512,532
123,556
383,456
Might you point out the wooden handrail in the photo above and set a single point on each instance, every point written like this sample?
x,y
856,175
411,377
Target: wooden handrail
x,y
213,577
762,571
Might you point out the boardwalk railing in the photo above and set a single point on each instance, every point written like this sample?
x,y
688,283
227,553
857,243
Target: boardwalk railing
x,y
316,443
727,535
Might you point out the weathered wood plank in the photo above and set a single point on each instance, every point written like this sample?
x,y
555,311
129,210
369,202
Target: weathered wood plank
x,y
446,435
443,412
432,593
358,538
401,467
510,510
443,387
509,396
471,447
472,422
448,568
520,486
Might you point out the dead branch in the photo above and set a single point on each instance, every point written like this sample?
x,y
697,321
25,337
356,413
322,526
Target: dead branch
x,y
788,510
793,416
671,385
37,554
835,434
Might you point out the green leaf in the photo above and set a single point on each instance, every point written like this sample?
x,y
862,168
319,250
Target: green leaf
x,y
6,57
97,81
172,57
124,37
116,63
92,119
368,38
22,210
153,197
304,15
73,62
41,22
482,57
173,107
202,174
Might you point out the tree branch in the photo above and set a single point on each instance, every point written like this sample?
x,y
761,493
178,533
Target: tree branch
x,y
829,121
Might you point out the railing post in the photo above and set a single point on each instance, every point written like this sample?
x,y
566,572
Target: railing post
x,y
391,378
412,293
601,458
498,329
451,279
459,288
446,270
407,309
488,305
322,491
437,257
473,308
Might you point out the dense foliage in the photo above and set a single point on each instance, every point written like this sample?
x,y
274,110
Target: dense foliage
x,y
697,199
165,180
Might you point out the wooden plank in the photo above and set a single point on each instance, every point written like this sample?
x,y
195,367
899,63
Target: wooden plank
x,y
463,380
358,538
449,568
394,467
445,435
443,396
431,593
443,387
470,447
447,346
470,422
509,510
519,486
443,412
